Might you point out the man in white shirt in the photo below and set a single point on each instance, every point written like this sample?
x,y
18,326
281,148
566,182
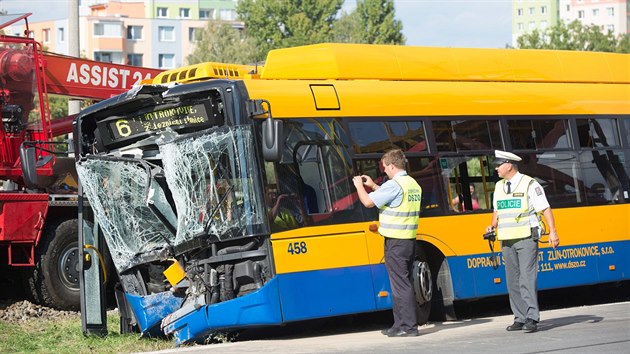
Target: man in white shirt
x,y
518,199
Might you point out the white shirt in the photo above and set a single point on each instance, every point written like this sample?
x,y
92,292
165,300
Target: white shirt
x,y
535,196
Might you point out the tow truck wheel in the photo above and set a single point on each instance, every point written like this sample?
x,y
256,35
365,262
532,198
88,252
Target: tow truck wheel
x,y
423,287
54,281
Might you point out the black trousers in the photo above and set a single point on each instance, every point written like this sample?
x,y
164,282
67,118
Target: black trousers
x,y
399,257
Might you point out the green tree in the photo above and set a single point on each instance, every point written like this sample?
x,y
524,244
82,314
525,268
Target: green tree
x,y
347,29
574,36
286,23
220,42
377,24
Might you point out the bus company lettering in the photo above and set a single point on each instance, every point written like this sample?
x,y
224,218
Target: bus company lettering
x,y
552,255
480,262
104,76
576,252
509,204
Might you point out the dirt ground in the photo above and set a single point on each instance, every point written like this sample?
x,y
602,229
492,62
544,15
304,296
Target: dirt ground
x,y
17,311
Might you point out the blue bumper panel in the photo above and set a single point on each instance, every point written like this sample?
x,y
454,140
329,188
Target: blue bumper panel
x,y
329,292
474,277
381,283
151,309
259,308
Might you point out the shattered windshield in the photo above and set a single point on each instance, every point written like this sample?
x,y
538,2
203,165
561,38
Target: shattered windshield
x,y
214,182
211,189
117,192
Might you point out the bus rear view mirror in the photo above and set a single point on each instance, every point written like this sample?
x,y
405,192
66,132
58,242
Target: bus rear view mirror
x,y
272,139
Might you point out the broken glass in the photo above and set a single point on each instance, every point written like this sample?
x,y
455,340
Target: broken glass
x,y
210,176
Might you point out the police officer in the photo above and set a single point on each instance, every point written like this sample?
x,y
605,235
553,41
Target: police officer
x,y
517,200
399,202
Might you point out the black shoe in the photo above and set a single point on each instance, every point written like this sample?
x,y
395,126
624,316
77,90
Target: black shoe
x,y
389,331
516,326
530,326
401,333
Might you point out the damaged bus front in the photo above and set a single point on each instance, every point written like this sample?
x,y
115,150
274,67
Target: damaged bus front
x,y
172,177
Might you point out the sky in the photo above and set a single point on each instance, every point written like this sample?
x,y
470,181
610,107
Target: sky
x,y
435,23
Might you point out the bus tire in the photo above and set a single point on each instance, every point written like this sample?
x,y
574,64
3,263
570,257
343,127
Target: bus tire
x,y
54,281
423,287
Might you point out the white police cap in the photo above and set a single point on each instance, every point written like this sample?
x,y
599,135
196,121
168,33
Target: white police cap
x,y
504,156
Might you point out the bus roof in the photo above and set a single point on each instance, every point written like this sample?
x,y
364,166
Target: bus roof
x,y
333,61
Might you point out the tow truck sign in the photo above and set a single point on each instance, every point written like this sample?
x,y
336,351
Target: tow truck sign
x,y
91,79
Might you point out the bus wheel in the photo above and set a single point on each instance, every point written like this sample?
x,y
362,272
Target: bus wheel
x,y
423,289
54,281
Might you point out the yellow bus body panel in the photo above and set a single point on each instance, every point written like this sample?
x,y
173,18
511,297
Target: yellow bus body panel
x,y
322,247
293,98
347,245
387,62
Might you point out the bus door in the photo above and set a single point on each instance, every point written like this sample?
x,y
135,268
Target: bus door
x,y
322,260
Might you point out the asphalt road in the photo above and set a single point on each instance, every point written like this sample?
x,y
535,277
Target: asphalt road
x,y
599,328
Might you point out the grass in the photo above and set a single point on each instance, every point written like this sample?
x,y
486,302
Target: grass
x,y
65,336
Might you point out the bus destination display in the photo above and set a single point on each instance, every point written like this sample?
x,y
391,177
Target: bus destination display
x,y
188,115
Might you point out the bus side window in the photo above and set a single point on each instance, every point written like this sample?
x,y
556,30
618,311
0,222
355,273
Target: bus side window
x,y
424,170
326,184
312,179
470,182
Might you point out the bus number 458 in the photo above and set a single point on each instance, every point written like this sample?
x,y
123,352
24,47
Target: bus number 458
x,y
297,247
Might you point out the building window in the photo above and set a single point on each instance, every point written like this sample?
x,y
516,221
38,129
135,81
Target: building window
x,y
46,35
532,10
194,34
206,13
610,28
227,15
519,12
531,26
134,32
166,61
107,29
162,12
543,24
543,9
581,14
568,8
61,34
184,12
105,57
134,59
520,26
166,33
595,12
610,11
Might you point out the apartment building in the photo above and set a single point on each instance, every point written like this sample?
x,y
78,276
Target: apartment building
x,y
529,15
149,33
610,15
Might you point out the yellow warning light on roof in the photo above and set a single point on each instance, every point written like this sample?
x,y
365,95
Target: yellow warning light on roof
x,y
205,71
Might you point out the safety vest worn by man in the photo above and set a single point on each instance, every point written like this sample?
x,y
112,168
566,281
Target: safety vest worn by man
x,y
513,210
402,221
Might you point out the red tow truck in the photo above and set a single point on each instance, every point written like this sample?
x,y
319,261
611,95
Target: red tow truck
x,y
38,211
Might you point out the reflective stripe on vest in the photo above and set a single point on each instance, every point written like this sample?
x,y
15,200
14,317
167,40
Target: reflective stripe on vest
x,y
402,221
513,210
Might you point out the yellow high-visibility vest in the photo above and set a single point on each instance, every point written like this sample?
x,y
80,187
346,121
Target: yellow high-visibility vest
x,y
513,210
402,221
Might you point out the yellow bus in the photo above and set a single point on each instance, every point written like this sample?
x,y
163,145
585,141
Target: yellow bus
x,y
224,192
